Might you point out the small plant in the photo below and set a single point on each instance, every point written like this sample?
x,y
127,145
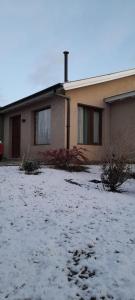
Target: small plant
x,y
30,166
66,159
115,171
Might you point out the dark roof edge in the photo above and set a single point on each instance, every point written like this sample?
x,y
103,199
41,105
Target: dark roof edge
x,y
25,99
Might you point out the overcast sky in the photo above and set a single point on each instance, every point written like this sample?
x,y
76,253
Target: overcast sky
x,y
99,34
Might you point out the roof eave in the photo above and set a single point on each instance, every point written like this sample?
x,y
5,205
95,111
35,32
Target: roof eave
x,y
30,99
97,80
120,97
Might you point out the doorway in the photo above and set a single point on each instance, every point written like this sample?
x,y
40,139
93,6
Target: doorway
x,y
16,134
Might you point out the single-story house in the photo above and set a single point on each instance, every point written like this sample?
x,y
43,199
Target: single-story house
x,y
93,113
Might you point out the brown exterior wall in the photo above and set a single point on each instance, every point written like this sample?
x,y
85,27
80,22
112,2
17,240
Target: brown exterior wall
x,y
94,96
122,123
58,124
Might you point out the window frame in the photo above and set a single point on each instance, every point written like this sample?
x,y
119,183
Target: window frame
x,y
35,112
91,110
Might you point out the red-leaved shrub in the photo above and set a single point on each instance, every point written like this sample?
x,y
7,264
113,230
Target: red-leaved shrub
x,y
65,158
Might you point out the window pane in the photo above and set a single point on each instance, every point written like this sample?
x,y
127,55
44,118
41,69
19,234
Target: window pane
x,y
43,126
85,126
80,125
96,127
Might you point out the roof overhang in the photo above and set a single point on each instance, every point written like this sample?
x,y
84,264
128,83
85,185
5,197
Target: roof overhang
x,y
120,97
96,80
32,98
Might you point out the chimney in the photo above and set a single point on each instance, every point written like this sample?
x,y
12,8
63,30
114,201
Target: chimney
x,y
65,65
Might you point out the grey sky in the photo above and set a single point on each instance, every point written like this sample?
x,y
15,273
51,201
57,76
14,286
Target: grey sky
x,y
99,34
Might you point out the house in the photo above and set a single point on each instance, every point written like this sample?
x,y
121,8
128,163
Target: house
x,y
94,113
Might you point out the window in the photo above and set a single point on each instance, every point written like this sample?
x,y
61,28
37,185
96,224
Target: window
x,y
89,125
43,126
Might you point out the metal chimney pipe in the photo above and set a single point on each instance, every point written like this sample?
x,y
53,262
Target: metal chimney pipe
x,y
65,65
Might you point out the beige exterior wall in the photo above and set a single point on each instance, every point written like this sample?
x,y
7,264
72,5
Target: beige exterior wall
x,y
58,125
113,117
122,122
94,96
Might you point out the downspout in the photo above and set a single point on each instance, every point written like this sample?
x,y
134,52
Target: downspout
x,y
68,118
68,123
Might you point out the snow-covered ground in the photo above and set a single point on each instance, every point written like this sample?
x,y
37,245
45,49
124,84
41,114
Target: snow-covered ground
x,y
61,241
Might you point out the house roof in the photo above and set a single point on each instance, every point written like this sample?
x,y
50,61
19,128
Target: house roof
x,y
98,79
120,97
74,85
31,97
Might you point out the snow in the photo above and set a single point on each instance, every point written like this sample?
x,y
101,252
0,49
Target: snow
x,y
63,241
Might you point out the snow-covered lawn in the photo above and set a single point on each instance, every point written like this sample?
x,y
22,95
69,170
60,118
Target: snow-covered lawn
x,y
61,241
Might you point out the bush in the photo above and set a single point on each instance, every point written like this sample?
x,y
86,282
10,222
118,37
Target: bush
x,y
66,159
115,172
30,166
132,175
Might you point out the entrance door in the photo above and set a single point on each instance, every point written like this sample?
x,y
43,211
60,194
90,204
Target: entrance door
x,y
16,122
